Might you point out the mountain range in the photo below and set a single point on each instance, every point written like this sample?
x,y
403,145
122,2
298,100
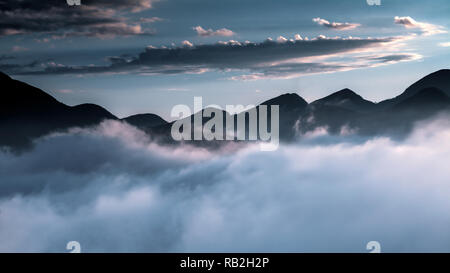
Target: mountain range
x,y
27,113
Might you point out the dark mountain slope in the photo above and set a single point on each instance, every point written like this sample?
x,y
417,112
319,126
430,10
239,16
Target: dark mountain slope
x,y
145,121
427,99
27,112
439,79
346,99
399,119
288,102
292,108
331,117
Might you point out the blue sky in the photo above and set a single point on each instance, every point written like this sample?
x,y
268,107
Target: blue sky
x,y
151,83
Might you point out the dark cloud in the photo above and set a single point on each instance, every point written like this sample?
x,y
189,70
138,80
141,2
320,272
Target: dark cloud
x,y
394,58
55,18
6,57
132,5
13,68
246,55
271,58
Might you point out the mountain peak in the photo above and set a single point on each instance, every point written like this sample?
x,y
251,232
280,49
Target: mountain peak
x,y
343,94
19,95
440,73
290,100
438,79
145,120
347,99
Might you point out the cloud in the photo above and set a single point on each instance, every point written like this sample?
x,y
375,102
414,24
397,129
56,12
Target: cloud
x,y
209,32
37,65
185,43
19,49
65,91
132,5
177,89
282,58
6,57
394,58
113,190
14,68
151,19
290,70
286,70
446,44
425,28
335,25
102,19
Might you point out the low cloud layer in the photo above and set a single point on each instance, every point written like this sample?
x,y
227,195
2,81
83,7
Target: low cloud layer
x,y
335,25
112,189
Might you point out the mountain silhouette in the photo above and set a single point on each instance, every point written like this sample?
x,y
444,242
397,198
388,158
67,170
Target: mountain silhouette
x,y
145,121
292,107
288,102
400,118
27,113
427,99
346,99
439,79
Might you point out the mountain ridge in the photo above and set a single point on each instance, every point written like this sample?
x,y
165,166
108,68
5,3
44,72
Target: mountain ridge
x,y
29,112
439,79
348,99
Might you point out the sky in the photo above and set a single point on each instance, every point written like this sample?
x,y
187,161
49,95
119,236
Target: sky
x,y
113,189
141,56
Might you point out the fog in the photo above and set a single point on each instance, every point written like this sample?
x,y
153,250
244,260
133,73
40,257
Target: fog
x,y
113,190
